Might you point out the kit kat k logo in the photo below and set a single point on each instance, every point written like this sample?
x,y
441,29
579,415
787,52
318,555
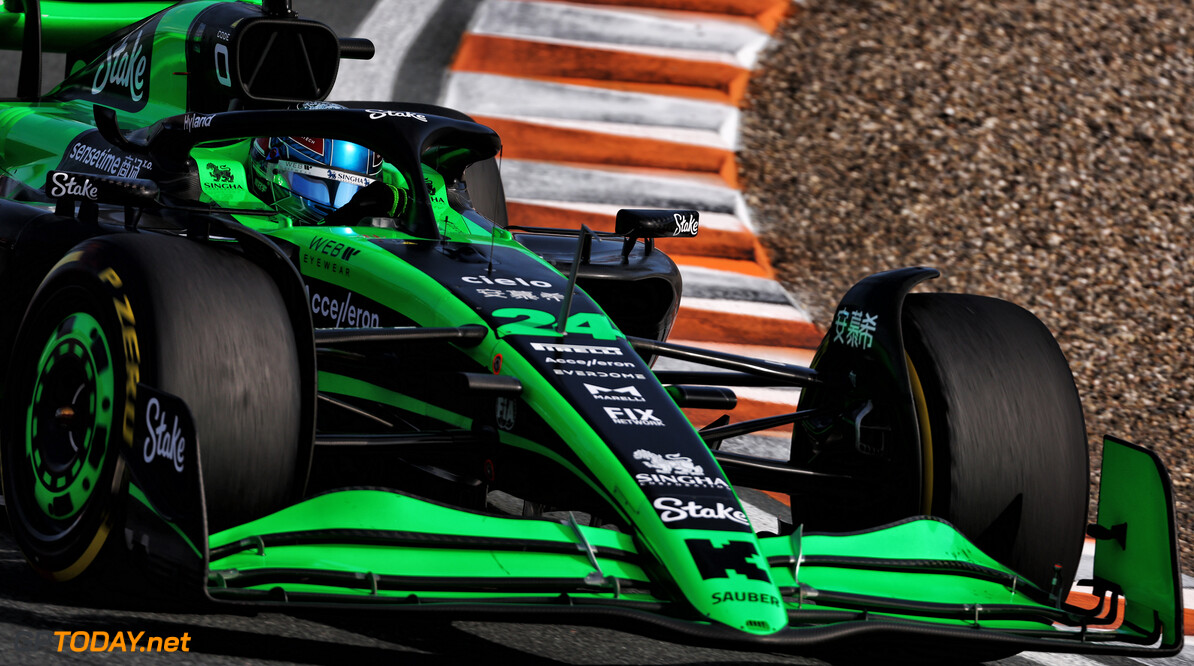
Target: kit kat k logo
x,y
718,561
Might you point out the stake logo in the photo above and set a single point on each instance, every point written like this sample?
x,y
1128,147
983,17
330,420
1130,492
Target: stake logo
x,y
377,114
672,510
632,416
624,394
123,67
686,224
160,442
718,561
65,185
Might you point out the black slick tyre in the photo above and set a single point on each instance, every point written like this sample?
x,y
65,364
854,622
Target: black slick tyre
x,y
1005,442
201,323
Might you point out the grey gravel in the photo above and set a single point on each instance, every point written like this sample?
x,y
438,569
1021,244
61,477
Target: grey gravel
x,y
1034,151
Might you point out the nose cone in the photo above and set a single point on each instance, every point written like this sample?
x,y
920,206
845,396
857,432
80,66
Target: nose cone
x,y
725,578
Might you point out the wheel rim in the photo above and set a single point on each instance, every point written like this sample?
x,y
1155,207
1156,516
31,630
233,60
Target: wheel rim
x,y
67,423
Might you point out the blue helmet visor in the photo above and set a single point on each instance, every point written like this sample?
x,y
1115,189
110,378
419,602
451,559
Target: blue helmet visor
x,y
321,185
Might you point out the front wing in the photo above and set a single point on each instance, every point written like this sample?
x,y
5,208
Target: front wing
x,y
914,580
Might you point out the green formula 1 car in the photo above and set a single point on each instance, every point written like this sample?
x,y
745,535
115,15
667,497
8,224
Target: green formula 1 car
x,y
290,354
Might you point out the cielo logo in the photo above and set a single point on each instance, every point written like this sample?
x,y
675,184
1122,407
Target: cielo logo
x,y
123,67
505,282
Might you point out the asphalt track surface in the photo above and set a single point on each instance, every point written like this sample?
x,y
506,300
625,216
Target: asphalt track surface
x,y
417,44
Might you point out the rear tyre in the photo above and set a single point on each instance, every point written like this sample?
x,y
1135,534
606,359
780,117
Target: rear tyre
x,y
200,323
1004,430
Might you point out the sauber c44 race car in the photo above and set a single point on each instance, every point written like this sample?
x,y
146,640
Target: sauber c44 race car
x,y
290,353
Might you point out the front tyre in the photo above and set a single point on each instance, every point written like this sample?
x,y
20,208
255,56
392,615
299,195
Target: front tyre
x,y
61,476
198,322
1003,431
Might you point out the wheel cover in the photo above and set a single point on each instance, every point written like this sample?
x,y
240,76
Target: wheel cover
x,y
67,423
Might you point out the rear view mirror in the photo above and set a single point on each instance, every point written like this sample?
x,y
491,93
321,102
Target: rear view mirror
x,y
650,224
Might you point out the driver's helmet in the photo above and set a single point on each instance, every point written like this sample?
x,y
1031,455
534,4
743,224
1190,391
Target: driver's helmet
x,y
307,178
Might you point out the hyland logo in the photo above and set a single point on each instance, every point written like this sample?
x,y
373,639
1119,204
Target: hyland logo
x,y
624,394
632,416
194,121
576,349
672,510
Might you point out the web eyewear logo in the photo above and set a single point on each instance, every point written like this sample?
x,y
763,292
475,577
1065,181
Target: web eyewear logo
x,y
623,394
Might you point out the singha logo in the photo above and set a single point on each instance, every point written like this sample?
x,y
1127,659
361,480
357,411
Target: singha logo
x,y
220,174
672,463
